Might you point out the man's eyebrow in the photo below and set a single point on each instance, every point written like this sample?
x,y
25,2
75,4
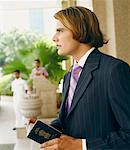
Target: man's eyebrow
x,y
59,29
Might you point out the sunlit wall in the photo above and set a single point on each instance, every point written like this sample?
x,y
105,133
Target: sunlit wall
x,y
36,16
32,15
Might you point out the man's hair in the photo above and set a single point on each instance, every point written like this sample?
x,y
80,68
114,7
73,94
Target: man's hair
x,y
37,60
18,71
83,24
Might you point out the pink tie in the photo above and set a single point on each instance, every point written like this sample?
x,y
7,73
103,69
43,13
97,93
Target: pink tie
x,y
73,82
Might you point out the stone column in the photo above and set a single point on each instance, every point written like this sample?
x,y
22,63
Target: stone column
x,y
122,28
114,18
67,3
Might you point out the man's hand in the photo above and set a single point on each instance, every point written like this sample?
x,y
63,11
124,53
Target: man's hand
x,y
62,143
31,120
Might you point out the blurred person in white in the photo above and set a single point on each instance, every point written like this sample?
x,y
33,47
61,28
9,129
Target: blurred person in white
x,y
19,88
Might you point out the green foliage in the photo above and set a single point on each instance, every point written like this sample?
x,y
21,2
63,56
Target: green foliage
x,y
2,58
49,58
12,41
5,85
20,49
42,50
16,64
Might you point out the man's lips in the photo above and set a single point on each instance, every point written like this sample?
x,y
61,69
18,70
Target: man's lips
x,y
58,46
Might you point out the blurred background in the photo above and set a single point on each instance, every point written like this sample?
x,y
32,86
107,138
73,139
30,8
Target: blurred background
x,y
27,25
26,30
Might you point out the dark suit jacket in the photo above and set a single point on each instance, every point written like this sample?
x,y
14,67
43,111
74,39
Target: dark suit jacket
x,y
100,111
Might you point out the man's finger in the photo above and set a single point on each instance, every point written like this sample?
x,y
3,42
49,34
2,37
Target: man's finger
x,y
51,142
65,136
52,147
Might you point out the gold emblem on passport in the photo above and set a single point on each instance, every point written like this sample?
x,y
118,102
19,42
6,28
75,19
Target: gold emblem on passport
x,y
42,133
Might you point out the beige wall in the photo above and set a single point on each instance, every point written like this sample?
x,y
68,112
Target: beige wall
x,y
114,17
67,3
122,28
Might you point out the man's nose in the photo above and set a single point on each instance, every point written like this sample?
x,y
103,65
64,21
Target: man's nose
x,y
54,38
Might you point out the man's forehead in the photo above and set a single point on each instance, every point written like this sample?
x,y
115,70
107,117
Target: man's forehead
x,y
59,24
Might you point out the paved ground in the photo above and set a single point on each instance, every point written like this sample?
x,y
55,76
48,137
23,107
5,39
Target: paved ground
x,y
7,135
7,121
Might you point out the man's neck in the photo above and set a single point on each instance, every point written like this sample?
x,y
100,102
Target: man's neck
x,y
83,48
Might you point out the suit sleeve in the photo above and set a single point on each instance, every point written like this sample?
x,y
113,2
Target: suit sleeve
x,y
56,124
119,100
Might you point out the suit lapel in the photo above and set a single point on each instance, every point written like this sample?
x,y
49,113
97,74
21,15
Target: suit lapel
x,y
66,84
65,92
85,78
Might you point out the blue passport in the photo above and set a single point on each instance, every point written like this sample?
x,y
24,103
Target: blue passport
x,y
42,132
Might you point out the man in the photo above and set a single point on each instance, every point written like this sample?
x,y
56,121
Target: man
x,y
38,70
96,113
19,88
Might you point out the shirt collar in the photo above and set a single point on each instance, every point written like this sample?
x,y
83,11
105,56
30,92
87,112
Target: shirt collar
x,y
18,79
84,57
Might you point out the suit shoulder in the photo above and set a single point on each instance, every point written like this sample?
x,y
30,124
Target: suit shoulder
x,y
112,61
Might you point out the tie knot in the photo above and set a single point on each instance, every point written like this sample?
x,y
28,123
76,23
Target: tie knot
x,y
75,72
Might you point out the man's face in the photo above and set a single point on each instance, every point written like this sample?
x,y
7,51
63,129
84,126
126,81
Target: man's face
x,y
16,75
64,41
36,64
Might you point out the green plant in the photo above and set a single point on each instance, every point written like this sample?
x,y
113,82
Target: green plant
x,y
24,52
47,53
13,41
30,84
5,85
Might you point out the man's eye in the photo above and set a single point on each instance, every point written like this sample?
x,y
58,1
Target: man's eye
x,y
59,30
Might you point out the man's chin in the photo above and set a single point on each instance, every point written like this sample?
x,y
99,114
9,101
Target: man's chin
x,y
61,52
